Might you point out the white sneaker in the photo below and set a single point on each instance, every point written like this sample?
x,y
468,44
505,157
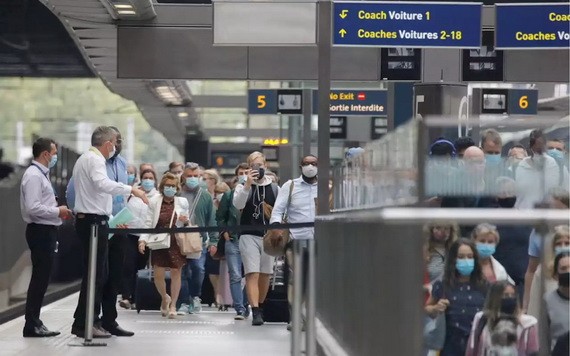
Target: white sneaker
x,y
197,305
183,310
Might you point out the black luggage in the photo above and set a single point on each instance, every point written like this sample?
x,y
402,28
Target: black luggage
x,y
146,295
276,305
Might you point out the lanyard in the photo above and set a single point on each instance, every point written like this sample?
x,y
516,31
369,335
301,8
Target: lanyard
x,y
115,170
46,175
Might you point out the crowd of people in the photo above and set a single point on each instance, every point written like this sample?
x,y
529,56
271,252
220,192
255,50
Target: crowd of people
x,y
103,185
483,283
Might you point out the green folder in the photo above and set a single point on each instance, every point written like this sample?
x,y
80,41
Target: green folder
x,y
123,217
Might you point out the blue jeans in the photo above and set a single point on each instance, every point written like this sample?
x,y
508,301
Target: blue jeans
x,y
192,279
233,258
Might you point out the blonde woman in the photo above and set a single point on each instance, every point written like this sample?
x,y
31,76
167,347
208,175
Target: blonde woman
x,y
211,178
560,243
439,238
486,238
163,209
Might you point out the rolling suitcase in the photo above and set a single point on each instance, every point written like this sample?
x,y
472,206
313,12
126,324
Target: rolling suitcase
x,y
146,295
276,305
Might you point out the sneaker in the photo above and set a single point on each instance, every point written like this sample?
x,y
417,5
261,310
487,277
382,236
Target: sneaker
x,y
125,304
240,315
197,305
247,312
183,310
190,308
257,317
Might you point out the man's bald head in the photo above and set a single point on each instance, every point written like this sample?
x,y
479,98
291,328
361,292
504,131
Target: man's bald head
x,y
474,154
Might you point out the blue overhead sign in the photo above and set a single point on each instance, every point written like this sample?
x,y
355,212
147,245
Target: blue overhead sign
x,y
532,26
523,102
355,102
407,24
262,101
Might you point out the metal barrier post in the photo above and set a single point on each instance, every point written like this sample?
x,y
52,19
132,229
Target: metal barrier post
x,y
91,276
296,318
311,337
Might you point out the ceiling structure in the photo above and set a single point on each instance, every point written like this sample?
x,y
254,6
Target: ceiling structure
x,y
92,27
33,43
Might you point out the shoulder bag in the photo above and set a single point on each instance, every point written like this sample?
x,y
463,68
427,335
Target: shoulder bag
x,y
160,241
190,242
275,241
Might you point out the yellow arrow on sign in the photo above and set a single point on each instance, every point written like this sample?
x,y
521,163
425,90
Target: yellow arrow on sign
x,y
343,14
342,33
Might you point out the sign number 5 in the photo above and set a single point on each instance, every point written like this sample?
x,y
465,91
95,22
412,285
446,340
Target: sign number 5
x,y
261,103
523,102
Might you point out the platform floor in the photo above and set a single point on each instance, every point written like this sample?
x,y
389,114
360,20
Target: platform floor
x,y
210,333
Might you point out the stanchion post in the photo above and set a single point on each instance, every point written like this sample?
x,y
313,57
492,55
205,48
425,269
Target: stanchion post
x,y
311,338
296,318
91,275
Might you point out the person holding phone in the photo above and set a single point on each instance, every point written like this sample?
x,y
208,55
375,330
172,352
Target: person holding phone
x,y
255,198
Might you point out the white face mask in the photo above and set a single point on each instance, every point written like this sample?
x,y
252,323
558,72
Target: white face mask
x,y
112,153
309,171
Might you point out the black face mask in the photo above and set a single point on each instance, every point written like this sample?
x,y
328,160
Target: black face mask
x,y
508,305
564,279
507,202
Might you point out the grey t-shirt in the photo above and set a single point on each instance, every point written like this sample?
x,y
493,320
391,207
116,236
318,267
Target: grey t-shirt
x,y
557,307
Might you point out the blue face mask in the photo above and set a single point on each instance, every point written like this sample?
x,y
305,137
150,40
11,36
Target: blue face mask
x,y
169,192
192,182
52,162
465,266
557,155
147,184
130,179
485,250
561,249
242,179
493,159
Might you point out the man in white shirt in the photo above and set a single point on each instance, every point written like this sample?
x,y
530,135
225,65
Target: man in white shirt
x,y
302,209
40,211
536,175
94,193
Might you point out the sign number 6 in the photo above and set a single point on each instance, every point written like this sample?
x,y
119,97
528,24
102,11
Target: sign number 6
x,y
523,102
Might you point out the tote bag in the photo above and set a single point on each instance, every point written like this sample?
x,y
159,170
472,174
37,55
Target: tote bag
x,y
190,242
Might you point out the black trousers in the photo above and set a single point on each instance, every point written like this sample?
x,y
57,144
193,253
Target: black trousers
x,y
83,229
132,262
109,298
41,241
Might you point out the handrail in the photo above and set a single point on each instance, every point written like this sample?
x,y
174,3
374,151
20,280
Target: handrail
x,y
462,216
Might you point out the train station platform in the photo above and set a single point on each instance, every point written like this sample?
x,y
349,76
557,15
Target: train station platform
x,y
211,333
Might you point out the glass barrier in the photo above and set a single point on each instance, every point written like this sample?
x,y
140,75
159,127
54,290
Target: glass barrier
x,y
507,162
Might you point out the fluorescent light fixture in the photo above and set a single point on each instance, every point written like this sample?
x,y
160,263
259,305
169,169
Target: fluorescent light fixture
x,y
182,114
123,6
126,12
170,93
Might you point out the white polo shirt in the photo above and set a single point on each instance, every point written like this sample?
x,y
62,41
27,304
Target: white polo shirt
x,y
94,190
